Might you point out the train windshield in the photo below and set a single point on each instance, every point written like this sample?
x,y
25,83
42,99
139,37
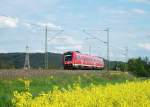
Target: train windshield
x,y
68,56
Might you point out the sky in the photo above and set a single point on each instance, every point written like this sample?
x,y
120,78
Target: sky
x,y
77,25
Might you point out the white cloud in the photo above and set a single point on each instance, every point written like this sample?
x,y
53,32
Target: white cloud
x,y
64,40
65,43
71,47
119,11
144,45
128,12
50,25
8,22
111,54
138,11
148,34
140,1
3,51
27,25
62,49
132,34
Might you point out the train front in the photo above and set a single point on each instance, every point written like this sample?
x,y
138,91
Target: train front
x,y
68,60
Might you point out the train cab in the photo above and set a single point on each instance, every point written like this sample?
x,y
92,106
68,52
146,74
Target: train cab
x,y
68,59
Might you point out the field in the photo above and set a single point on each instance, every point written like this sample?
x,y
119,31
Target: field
x,y
36,82
129,94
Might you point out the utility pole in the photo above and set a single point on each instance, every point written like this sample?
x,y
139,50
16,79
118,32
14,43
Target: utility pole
x,y
46,52
108,57
107,30
108,47
125,56
27,61
46,44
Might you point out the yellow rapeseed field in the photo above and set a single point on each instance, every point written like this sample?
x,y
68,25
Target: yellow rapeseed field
x,y
129,94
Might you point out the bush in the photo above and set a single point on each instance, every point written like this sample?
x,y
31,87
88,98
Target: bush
x,y
139,66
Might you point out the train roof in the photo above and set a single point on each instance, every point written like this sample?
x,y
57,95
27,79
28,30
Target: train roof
x,y
88,55
72,51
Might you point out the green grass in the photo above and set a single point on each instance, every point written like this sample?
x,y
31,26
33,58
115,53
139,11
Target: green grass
x,y
64,80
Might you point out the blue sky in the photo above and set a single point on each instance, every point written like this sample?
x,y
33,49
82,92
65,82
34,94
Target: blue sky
x,y
128,21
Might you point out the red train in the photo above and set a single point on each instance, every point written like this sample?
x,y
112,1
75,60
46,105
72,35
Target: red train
x,y
76,60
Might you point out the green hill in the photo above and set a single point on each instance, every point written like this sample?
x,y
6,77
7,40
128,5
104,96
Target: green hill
x,y
16,60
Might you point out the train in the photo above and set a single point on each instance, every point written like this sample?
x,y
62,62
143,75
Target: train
x,y
77,60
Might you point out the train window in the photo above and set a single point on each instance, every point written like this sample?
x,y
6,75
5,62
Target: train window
x,y
78,57
68,58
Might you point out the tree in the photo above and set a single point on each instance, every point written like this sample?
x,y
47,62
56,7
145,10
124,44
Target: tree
x,y
139,66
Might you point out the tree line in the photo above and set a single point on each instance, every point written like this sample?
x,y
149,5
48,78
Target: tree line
x,y
137,66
